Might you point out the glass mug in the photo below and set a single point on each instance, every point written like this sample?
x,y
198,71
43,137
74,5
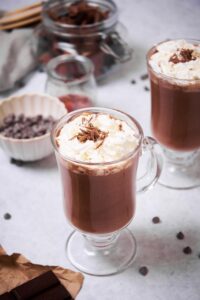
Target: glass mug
x,y
175,122
99,200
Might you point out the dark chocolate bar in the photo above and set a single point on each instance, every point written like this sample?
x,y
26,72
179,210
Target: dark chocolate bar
x,y
57,292
7,296
35,286
43,287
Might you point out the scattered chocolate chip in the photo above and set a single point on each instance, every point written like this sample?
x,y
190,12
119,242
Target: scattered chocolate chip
x,y
156,220
144,77
143,270
187,250
146,88
7,216
133,81
16,162
180,236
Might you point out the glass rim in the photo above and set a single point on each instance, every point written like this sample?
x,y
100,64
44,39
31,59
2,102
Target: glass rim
x,y
65,58
94,109
160,74
111,20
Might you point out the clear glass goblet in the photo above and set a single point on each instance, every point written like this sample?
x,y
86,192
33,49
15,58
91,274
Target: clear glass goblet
x,y
175,122
100,200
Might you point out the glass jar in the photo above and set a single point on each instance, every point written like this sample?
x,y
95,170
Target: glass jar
x,y
102,41
71,79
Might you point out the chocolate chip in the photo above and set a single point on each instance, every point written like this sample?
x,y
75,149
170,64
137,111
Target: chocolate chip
x,y
22,127
199,255
187,250
17,162
7,216
156,220
9,119
143,270
133,81
180,236
144,77
146,88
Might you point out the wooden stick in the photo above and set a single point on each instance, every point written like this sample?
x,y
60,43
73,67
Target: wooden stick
x,y
21,23
21,16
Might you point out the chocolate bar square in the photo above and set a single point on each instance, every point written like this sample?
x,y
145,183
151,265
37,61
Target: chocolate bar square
x,y
7,296
55,293
35,286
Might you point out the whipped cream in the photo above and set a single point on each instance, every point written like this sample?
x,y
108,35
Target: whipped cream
x,y
97,138
171,59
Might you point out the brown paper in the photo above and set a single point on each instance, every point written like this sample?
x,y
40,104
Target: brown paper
x,y
16,269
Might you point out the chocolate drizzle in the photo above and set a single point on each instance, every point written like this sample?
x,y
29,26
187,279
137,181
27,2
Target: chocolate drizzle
x,y
184,55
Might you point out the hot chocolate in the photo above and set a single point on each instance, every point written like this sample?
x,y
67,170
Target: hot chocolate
x,y
174,69
98,157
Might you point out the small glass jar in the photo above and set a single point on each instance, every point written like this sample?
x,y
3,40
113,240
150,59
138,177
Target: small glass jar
x,y
70,78
104,42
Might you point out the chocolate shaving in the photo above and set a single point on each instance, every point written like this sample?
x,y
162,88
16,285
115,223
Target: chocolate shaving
x,y
120,127
183,56
91,133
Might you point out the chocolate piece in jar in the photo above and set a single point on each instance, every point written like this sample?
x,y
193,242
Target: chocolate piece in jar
x,y
80,13
88,28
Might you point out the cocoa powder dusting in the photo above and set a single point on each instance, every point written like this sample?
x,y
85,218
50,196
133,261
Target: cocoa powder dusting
x,y
183,56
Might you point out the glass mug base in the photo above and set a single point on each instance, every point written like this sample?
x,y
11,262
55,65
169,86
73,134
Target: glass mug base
x,y
181,170
101,255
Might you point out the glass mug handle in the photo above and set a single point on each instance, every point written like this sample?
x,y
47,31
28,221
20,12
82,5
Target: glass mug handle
x,y
114,45
152,166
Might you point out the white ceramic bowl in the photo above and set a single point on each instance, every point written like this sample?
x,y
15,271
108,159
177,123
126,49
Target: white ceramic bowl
x,y
30,105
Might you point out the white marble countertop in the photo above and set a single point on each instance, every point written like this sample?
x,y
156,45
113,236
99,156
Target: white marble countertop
x,y
32,193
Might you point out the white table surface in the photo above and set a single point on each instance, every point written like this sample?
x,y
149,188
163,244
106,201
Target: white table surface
x,y
32,193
